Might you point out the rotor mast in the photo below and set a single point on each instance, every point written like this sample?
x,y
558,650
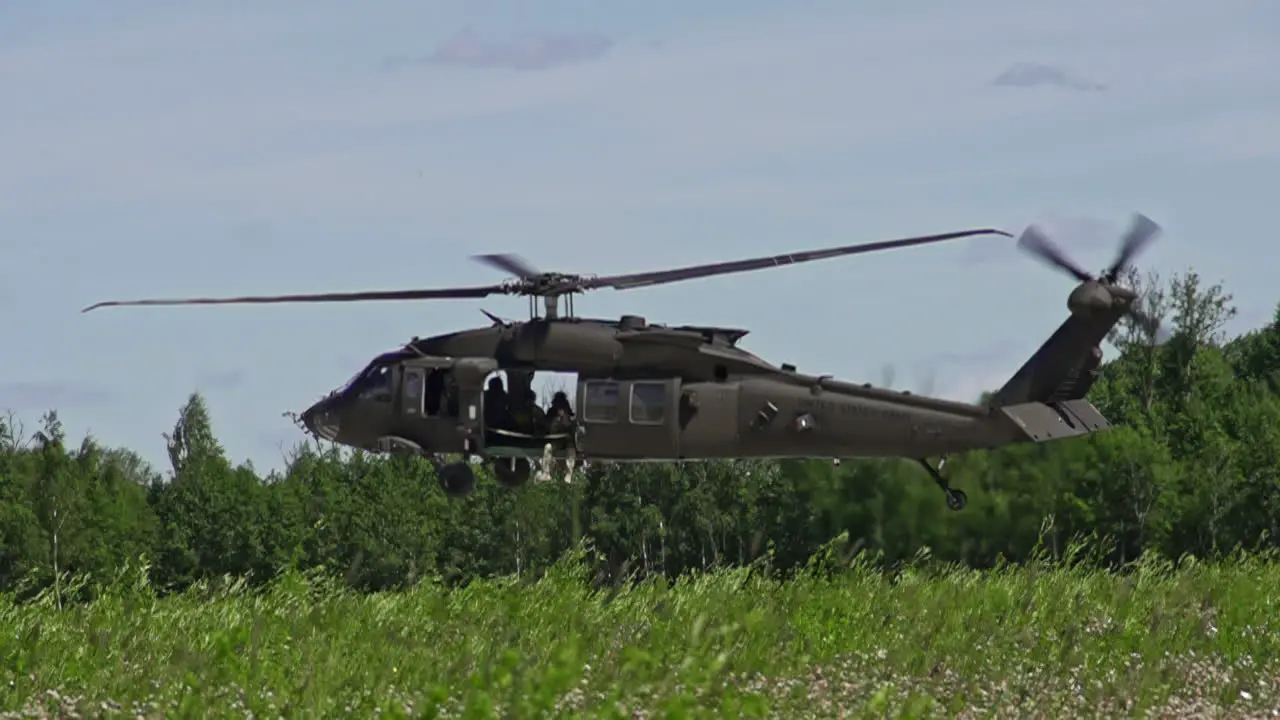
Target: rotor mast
x,y
551,306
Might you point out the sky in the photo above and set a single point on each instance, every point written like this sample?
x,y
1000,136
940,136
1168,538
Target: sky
x,y
175,149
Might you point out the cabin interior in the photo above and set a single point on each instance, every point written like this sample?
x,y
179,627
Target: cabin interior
x,y
523,410
513,401
514,404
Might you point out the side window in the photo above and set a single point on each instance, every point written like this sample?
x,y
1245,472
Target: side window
x,y
412,391
600,401
648,402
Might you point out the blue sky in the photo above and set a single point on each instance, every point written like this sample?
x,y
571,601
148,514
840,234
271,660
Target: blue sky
x,y
165,149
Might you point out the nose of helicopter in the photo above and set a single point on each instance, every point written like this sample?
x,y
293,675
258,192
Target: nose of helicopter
x,y
322,419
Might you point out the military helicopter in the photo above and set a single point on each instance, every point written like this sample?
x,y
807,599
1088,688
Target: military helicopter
x,y
652,392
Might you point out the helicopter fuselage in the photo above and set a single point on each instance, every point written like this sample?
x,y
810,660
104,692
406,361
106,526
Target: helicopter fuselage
x,y
644,393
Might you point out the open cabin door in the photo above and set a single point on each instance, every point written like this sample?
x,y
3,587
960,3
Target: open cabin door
x,y
629,418
422,389
441,402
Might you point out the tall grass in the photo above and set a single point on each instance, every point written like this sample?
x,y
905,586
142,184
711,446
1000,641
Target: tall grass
x,y
1028,642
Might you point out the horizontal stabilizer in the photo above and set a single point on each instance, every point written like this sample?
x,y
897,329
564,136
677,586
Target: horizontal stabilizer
x,y
1041,422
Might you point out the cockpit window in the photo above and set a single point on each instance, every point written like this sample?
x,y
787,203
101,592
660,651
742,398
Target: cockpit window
x,y
372,383
376,385
344,387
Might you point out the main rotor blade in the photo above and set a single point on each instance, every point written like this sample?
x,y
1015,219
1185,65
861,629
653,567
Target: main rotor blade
x,y
506,262
466,292
1142,231
1035,242
634,280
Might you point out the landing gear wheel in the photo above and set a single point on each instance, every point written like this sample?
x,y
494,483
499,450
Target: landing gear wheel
x,y
456,479
512,472
956,499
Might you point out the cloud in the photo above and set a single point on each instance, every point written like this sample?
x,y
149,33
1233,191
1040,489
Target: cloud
x,y
1249,133
965,374
532,52
970,386
969,373
51,394
221,379
719,119
281,441
1026,74
969,359
938,370
1250,318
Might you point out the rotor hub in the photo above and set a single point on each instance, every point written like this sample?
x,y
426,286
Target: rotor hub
x,y
547,284
1089,297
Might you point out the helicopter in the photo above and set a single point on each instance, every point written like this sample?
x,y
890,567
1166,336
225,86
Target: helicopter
x,y
648,392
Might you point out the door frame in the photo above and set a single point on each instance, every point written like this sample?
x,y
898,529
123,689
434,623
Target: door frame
x,y
469,375
420,368
458,431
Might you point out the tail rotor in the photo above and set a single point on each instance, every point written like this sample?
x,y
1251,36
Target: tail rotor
x,y
1101,293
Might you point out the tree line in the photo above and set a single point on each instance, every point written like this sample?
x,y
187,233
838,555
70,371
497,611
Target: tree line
x,y
1193,468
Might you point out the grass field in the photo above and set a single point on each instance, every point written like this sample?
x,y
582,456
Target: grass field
x,y
1041,642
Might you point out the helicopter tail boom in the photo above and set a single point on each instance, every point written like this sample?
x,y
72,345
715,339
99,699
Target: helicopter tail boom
x,y
1045,399
1064,367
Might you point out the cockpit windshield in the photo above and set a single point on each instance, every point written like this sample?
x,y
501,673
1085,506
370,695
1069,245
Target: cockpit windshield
x,y
374,381
344,387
